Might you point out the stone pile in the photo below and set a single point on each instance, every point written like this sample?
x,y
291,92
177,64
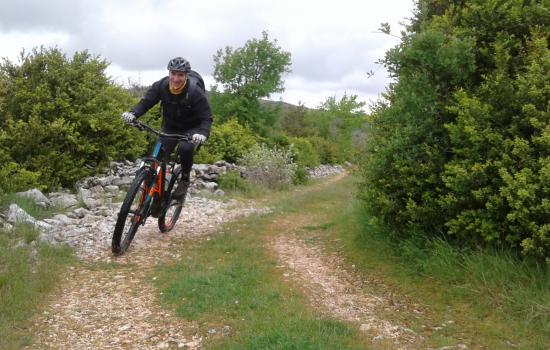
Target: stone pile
x,y
121,174
89,215
325,170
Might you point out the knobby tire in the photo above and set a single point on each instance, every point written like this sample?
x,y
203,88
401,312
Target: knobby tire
x,y
128,223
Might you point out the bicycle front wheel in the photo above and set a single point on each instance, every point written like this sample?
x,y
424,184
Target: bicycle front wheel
x,y
131,213
169,216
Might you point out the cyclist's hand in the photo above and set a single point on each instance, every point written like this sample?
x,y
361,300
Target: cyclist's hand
x,y
198,139
128,117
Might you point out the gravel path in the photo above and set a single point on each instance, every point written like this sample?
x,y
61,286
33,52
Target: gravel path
x,y
340,293
105,307
332,287
116,308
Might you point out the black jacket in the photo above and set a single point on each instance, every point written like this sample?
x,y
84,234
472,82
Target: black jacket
x,y
181,113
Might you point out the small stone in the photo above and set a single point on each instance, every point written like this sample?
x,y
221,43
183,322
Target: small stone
x,y
365,327
125,327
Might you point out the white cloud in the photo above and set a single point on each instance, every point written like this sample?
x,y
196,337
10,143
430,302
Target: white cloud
x,y
333,44
14,42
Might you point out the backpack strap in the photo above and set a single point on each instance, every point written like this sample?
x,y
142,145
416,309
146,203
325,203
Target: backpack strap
x,y
192,81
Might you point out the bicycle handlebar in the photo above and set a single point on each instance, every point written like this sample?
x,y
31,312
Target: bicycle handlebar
x,y
144,127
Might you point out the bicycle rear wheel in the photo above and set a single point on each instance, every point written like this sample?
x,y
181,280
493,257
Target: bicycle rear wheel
x,y
129,217
170,215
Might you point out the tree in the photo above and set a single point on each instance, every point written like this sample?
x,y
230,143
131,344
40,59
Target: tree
x,y
294,123
341,122
253,71
247,74
60,117
459,146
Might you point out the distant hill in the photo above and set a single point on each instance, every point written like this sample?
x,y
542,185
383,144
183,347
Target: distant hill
x,y
285,106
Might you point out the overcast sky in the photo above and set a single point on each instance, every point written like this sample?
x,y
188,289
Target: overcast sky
x,y
333,43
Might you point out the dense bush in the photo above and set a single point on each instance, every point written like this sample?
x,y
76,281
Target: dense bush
x,y
228,141
305,155
329,151
294,123
59,119
233,182
460,144
301,176
14,178
269,167
341,122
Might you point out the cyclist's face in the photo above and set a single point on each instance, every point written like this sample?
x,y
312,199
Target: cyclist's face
x,y
177,79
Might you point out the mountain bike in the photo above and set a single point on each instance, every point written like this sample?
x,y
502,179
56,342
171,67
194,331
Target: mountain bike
x,y
150,194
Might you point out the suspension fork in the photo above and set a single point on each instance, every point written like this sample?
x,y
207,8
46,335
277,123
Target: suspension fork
x,y
154,186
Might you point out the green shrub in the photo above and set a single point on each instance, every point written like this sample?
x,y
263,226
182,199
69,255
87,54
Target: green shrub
x,y
228,141
14,178
305,155
301,176
233,182
461,145
329,151
341,122
278,141
61,117
269,167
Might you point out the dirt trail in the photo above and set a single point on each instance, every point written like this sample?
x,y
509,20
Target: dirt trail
x,y
111,310
332,287
101,306
105,306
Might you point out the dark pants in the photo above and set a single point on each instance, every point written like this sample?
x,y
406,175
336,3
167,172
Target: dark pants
x,y
186,151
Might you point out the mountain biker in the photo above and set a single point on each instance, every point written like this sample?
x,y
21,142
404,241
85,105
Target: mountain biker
x,y
185,110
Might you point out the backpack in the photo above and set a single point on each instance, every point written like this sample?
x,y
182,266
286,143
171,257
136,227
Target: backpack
x,y
195,79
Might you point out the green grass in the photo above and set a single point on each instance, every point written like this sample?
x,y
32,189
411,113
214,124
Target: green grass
x,y
231,279
27,274
236,187
483,299
28,206
494,299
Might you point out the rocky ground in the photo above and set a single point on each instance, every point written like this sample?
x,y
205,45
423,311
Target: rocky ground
x,y
89,215
116,308
104,308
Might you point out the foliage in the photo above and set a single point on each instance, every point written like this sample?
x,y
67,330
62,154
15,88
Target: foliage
x,y
278,140
328,151
459,145
60,118
14,178
247,74
270,167
301,176
294,122
28,274
233,182
305,155
341,122
253,71
261,118
228,141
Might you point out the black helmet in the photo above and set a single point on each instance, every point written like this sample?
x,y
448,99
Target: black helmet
x,y
179,64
